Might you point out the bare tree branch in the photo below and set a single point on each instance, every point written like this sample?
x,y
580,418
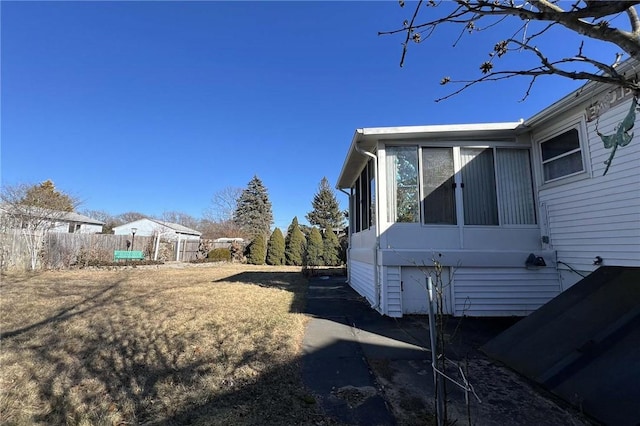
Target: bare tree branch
x,y
34,210
592,19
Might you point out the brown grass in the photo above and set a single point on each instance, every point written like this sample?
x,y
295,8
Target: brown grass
x,y
200,344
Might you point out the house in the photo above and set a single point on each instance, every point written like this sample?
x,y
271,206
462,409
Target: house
x,y
77,223
226,242
152,227
167,231
514,213
50,220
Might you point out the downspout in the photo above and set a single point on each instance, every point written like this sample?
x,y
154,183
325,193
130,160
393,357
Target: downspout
x,y
377,246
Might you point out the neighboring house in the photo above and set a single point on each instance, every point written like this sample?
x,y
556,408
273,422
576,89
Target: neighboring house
x,y
151,227
54,221
226,242
78,223
514,212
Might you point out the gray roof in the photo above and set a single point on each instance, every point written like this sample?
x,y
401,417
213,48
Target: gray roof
x,y
77,217
53,214
178,228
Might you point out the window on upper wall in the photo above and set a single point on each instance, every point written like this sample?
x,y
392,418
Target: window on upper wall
x,y
477,186
363,199
561,155
438,177
357,201
515,189
403,198
372,192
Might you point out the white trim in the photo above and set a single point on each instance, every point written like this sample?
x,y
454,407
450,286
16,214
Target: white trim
x,y
444,128
573,122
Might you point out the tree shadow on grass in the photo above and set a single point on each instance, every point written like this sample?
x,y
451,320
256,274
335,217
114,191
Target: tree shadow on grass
x,y
293,282
79,308
139,356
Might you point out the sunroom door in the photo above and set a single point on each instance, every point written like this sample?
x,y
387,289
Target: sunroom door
x,y
438,177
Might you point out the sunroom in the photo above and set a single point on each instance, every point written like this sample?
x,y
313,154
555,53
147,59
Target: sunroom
x,y
457,196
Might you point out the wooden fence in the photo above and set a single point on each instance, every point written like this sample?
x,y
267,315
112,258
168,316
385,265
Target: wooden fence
x,y
62,250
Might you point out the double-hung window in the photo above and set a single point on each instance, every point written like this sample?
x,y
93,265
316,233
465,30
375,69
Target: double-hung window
x,y
561,155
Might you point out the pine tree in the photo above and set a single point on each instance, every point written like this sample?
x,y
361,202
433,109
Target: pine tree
x,y
253,213
315,249
46,196
275,248
331,248
326,211
294,244
257,251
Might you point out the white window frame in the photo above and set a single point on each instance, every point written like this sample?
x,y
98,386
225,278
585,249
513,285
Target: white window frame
x,y
576,123
456,145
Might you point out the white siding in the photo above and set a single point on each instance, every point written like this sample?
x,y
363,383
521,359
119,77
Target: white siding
x,y
87,228
392,293
362,279
598,215
415,296
502,291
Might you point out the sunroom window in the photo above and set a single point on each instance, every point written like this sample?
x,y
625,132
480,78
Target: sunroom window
x,y
362,208
403,200
561,155
438,177
475,186
479,191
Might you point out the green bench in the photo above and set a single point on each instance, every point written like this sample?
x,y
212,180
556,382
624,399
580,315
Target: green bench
x,y
128,255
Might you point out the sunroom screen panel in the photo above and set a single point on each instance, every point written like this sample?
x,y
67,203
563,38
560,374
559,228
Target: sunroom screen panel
x,y
515,189
479,191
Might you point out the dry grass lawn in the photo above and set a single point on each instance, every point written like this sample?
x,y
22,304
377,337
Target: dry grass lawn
x,y
201,344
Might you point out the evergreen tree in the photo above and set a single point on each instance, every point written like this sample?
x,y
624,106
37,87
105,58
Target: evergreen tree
x,y
294,244
257,251
344,246
253,213
315,249
331,248
326,211
46,196
275,248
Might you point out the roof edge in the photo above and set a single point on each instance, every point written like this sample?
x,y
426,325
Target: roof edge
x,y
577,96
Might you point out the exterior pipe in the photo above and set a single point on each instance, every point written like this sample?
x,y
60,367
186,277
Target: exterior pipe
x,y
377,247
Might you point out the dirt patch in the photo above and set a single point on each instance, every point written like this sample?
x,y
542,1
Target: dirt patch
x,y
406,391
505,397
355,396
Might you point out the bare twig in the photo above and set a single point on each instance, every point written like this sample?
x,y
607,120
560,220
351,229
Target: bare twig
x,y
591,19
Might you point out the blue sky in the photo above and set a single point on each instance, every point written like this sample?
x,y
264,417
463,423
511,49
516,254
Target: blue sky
x,y
156,106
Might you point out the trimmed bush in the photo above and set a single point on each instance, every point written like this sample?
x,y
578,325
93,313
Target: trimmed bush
x,y
219,255
315,249
257,251
294,244
331,246
275,248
